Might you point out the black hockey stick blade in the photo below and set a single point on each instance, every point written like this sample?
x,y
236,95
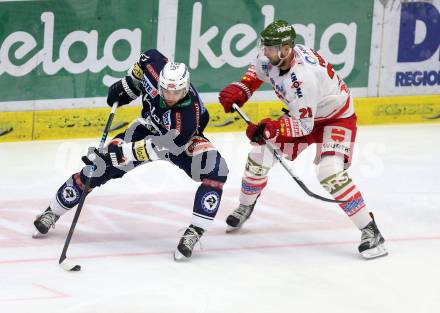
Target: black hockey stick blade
x,y
68,265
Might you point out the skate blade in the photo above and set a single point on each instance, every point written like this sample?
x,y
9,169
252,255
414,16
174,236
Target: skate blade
x,y
37,235
375,252
179,257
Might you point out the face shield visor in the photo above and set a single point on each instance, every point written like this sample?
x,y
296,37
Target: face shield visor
x,y
171,95
272,52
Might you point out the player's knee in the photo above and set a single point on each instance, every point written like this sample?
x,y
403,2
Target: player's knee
x,y
255,169
69,194
328,166
216,170
221,170
206,161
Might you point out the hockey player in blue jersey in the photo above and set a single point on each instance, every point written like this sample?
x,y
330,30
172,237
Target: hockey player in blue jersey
x,y
170,128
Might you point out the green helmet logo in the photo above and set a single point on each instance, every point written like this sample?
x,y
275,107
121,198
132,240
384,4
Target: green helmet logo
x,y
278,33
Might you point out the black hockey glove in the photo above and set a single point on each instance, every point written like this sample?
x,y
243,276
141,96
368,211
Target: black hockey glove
x,y
112,156
123,91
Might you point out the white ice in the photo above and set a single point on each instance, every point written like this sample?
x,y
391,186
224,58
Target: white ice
x,y
296,254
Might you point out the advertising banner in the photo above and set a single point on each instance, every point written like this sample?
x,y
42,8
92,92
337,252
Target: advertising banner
x,y
218,38
76,49
70,49
410,49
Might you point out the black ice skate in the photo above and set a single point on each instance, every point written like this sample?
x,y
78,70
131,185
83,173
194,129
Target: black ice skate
x,y
238,217
187,242
372,242
44,222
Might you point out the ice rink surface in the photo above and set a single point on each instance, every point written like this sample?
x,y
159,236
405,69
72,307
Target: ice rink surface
x,y
296,254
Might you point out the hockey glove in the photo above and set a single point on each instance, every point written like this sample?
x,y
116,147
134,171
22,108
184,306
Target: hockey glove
x,y
123,91
112,155
280,130
270,128
255,133
234,93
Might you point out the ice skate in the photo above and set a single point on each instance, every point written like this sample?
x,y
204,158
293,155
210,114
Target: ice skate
x,y
372,242
238,217
44,222
187,242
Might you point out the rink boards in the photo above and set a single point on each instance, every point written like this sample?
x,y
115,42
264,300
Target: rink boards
x,y
83,123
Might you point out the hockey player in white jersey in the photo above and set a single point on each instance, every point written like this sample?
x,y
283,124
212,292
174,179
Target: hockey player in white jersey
x,y
320,111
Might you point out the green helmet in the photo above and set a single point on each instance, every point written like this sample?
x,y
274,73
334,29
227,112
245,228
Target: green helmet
x,y
278,33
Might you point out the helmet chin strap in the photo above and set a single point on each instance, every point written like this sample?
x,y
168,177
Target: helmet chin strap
x,y
281,58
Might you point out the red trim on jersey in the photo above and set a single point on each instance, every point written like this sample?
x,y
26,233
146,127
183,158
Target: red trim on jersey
x,y
251,80
337,113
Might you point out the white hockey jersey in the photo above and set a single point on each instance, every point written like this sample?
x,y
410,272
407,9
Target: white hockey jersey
x,y
311,89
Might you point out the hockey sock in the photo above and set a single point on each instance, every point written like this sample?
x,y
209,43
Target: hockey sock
x,y
253,182
206,203
68,195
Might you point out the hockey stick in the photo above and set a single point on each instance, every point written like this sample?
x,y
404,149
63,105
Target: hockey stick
x,y
280,159
6,131
116,127
64,261
433,117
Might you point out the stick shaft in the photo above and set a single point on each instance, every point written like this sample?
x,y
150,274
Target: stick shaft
x,y
87,185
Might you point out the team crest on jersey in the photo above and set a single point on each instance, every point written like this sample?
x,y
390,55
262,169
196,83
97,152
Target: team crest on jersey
x,y
210,201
